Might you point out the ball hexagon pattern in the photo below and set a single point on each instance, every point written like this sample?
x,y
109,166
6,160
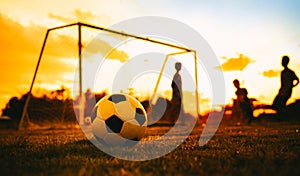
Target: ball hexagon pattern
x,y
119,118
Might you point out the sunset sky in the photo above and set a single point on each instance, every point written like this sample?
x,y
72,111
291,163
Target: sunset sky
x,y
257,32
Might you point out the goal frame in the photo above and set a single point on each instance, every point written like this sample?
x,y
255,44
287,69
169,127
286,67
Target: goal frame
x,y
81,97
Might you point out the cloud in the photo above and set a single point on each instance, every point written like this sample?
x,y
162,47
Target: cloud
x,y
23,43
235,64
117,54
20,48
59,18
82,16
271,73
98,45
106,50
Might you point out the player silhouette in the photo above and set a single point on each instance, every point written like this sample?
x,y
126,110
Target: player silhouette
x,y
288,78
242,102
176,100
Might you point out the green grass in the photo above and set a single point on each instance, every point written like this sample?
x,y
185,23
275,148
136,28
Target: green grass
x,y
258,149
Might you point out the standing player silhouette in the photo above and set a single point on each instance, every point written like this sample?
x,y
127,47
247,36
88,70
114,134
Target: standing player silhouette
x,y
288,78
176,100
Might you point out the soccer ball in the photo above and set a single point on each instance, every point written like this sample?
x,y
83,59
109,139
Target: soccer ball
x,y
120,120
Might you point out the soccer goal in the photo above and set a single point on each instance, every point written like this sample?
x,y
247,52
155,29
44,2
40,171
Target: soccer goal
x,y
68,52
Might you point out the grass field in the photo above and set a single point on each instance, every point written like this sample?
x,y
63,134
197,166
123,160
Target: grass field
x,y
258,149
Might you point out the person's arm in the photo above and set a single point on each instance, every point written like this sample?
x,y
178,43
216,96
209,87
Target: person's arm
x,y
297,82
296,79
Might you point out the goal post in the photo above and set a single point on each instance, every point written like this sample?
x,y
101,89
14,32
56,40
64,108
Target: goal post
x,y
196,75
81,117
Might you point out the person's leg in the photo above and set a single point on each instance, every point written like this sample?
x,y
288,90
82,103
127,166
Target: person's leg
x,y
276,103
279,102
284,100
250,114
175,112
247,110
280,105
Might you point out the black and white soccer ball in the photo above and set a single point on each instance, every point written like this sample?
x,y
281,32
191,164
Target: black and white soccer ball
x,y
120,119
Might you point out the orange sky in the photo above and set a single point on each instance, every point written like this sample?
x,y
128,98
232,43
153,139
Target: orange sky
x,y
249,39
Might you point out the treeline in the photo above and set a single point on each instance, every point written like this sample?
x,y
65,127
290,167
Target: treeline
x,y
53,107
